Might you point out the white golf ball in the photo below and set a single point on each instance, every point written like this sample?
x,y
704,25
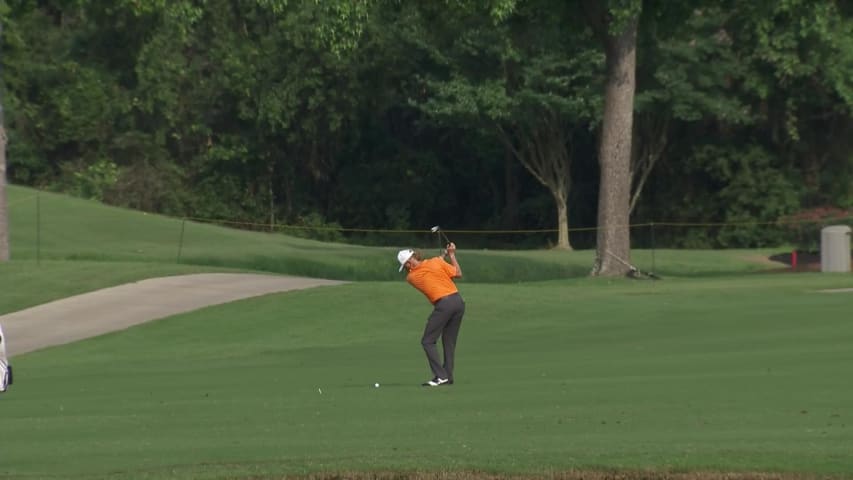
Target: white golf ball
x,y
376,385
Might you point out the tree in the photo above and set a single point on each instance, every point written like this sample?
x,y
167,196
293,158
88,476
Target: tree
x,y
757,102
688,74
64,103
276,109
525,76
254,99
4,213
800,54
4,208
616,26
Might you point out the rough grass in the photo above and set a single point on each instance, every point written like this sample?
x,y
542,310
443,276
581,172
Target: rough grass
x,y
567,475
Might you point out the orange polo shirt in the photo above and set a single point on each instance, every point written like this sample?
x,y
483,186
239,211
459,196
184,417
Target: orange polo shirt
x,y
433,277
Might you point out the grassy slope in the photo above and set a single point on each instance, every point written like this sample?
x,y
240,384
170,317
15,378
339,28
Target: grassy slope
x,y
74,229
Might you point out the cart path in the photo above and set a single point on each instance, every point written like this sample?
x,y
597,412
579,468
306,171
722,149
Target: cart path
x,y
117,308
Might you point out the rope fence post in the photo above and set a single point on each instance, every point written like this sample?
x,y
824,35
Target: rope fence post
x,y
181,239
38,228
652,241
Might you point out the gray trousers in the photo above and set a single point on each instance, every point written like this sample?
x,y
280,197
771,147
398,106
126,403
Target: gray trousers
x,y
444,322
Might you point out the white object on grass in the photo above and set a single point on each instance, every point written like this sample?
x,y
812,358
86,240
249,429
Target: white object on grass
x,y
5,368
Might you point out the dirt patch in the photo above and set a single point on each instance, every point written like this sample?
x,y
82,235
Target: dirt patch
x,y
772,261
806,261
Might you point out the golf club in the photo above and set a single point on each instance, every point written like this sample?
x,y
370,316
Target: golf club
x,y
437,229
634,271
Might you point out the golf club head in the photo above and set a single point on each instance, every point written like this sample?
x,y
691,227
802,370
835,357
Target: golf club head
x,y
437,229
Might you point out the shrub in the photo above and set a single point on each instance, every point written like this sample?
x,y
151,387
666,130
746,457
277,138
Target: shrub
x,y
802,229
315,227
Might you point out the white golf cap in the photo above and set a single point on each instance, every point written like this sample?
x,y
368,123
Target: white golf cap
x,y
403,256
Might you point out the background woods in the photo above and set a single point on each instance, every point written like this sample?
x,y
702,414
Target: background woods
x,y
475,115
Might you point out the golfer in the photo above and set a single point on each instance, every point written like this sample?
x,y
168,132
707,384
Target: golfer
x,y
434,278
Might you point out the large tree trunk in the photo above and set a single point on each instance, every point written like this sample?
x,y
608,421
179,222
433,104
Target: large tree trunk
x,y
614,157
4,217
562,220
4,207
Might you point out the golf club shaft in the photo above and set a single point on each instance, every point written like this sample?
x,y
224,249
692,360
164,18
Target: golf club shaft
x,y
620,260
437,229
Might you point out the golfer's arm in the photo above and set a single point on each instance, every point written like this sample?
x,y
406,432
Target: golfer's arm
x,y
455,264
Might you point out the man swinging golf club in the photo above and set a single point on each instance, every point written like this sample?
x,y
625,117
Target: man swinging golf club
x,y
434,278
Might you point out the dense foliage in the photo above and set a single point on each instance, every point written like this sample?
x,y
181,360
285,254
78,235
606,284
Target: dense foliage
x,y
401,115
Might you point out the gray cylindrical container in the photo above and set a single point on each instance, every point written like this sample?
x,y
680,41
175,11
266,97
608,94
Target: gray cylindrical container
x,y
835,249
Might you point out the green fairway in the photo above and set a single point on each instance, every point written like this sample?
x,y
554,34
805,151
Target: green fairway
x,y
723,374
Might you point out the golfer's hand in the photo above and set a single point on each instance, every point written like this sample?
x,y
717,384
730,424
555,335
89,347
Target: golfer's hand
x,y
451,248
